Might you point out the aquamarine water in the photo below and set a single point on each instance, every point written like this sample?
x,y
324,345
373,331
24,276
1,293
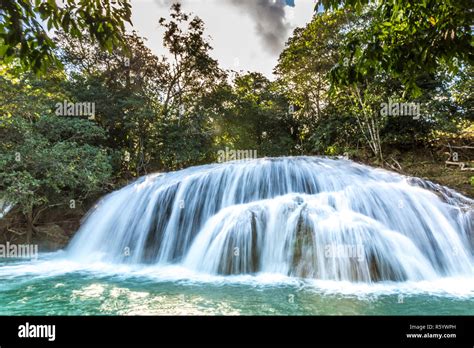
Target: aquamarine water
x,y
55,286
271,236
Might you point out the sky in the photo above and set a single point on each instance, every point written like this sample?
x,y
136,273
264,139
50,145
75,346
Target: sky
x,y
246,35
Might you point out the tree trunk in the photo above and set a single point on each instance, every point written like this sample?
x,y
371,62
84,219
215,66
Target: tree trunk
x,y
30,230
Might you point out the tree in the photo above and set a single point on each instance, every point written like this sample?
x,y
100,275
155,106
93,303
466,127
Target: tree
x,y
23,36
405,39
303,70
154,108
126,87
46,160
191,78
308,57
255,116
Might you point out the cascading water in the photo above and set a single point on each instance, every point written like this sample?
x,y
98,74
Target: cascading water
x,y
306,217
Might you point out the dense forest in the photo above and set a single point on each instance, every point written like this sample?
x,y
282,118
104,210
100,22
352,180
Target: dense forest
x,y
89,108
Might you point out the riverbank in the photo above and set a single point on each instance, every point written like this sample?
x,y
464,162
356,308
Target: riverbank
x,y
432,167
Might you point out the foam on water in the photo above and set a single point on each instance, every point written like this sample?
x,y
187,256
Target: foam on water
x,y
304,217
15,274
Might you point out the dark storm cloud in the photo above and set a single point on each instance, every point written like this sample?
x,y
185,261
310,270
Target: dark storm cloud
x,y
269,18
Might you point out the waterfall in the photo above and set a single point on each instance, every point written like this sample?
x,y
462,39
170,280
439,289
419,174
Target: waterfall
x,y
309,217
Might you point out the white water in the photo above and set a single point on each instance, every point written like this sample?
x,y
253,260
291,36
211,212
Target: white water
x,y
285,216
58,264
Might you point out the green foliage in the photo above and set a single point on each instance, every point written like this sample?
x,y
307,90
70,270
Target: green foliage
x,y
154,109
38,167
165,113
462,91
46,160
306,61
405,39
23,36
255,117
303,70
338,101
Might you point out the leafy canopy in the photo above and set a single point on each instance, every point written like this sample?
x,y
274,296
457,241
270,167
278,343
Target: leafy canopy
x,y
23,34
406,39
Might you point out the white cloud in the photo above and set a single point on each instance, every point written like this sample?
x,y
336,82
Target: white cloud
x,y
236,35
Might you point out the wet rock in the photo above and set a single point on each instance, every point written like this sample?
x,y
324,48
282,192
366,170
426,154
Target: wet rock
x,y
241,255
50,237
303,263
